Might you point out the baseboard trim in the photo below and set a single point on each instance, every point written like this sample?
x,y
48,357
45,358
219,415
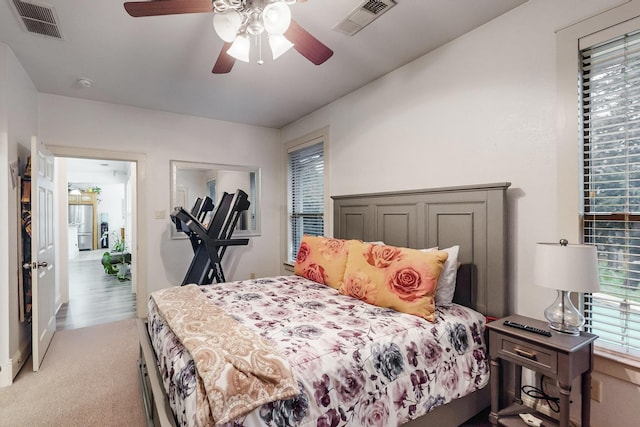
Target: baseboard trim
x,y
9,371
539,406
6,379
543,408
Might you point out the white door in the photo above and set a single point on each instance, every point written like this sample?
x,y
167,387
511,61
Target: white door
x,y
42,251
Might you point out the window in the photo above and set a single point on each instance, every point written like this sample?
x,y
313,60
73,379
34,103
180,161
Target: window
x,y
306,194
610,103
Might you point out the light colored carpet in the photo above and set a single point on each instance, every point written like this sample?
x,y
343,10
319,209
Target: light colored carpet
x,y
88,378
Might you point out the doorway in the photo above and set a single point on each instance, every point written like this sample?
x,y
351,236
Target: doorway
x,y
99,204
135,229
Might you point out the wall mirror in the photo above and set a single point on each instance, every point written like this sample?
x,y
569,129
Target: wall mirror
x,y
190,180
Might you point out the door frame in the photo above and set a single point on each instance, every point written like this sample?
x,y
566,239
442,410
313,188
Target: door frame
x,y
138,249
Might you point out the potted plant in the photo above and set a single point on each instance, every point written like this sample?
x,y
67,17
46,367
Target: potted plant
x,y
108,264
120,247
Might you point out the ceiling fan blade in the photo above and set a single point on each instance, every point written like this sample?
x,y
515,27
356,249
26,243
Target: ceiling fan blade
x,y
307,45
225,62
167,7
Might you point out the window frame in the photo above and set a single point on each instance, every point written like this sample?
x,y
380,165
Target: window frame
x,y
570,40
321,135
610,217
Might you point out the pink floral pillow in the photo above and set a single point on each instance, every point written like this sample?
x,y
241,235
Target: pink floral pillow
x,y
399,278
322,259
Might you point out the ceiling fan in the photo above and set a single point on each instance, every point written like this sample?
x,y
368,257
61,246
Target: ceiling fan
x,y
236,21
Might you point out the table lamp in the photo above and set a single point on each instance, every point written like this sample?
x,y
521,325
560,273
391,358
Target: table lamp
x,y
566,268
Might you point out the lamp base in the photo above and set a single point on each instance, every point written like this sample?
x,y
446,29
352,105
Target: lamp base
x,y
563,316
565,329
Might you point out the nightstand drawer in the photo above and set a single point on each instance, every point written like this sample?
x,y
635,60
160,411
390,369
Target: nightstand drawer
x,y
528,354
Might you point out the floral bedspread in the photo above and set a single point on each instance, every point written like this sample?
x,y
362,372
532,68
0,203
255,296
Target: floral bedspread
x,y
356,364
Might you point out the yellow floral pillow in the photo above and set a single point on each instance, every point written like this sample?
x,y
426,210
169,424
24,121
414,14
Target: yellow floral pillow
x,y
322,259
399,278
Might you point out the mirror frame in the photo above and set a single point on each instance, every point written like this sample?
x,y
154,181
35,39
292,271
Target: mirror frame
x,y
176,200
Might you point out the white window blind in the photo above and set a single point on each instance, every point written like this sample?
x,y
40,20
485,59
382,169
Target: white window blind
x,y
611,170
306,194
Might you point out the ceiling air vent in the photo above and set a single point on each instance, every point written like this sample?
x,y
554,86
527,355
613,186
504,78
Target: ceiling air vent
x,y
363,15
38,18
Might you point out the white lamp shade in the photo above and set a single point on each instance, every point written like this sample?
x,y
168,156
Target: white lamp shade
x,y
227,25
276,18
569,268
279,44
240,48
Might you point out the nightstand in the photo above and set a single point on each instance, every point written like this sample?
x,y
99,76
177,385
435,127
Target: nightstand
x,y
560,356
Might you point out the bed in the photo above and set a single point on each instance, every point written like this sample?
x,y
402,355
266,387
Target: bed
x,y
409,385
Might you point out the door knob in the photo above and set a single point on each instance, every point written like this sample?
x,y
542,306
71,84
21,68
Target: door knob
x,y
28,265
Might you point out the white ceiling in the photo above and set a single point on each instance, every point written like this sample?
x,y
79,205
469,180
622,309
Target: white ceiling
x,y
164,63
92,171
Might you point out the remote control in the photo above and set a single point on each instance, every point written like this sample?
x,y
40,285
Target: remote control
x,y
527,328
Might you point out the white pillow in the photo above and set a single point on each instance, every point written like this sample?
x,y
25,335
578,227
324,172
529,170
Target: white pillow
x,y
447,281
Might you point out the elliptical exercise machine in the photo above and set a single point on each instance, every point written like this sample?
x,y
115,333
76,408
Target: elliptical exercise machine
x,y
210,242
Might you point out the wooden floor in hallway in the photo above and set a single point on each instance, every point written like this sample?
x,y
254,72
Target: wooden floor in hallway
x,y
94,296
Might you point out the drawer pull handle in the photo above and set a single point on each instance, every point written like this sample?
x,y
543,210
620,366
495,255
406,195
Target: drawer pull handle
x,y
524,353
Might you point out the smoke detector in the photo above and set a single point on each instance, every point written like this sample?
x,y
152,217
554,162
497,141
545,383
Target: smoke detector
x,y
84,82
363,15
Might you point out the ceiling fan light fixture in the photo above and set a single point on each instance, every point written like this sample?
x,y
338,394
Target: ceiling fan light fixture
x,y
227,25
240,48
276,17
255,26
223,5
279,45
256,17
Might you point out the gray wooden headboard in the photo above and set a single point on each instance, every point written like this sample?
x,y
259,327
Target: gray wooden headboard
x,y
473,217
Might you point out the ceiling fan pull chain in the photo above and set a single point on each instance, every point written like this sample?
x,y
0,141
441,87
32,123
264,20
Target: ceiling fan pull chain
x,y
259,40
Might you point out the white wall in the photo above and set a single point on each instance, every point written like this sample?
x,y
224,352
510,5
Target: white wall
x,y
230,181
112,203
6,192
18,122
193,184
163,137
479,110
